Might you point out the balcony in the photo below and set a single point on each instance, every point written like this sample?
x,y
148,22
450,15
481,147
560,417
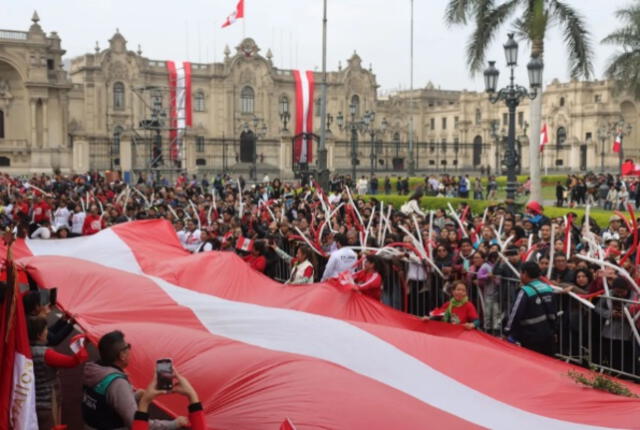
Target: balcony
x,y
13,35
14,145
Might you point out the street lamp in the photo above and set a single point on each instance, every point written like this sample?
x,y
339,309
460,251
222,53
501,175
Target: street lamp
x,y
259,132
285,116
355,125
370,129
511,95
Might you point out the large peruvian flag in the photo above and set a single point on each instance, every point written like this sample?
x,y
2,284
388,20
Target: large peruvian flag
x,y
322,356
17,379
235,15
303,148
180,115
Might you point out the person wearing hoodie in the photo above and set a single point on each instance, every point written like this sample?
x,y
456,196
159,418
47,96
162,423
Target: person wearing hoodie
x,y
109,401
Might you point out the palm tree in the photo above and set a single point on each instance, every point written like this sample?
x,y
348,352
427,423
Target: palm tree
x,y
531,19
624,67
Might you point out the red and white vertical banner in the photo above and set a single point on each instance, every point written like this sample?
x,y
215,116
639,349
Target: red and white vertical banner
x,y
617,144
302,150
17,378
544,137
180,114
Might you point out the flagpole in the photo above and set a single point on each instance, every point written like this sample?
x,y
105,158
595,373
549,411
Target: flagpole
x,y
244,19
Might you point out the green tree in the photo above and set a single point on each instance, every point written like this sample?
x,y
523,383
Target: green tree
x,y
624,66
530,20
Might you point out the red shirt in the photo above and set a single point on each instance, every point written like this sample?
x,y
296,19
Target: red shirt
x,y
92,224
41,212
370,283
466,313
258,263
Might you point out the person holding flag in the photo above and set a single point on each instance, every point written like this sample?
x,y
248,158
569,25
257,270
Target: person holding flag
x,y
46,363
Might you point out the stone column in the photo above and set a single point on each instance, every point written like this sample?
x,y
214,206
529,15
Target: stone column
x,y
34,131
80,156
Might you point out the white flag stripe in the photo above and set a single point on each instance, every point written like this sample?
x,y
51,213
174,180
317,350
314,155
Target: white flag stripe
x,y
304,83
323,338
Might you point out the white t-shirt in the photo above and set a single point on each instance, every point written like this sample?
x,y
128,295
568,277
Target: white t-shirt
x,y
339,261
77,221
192,240
61,217
41,233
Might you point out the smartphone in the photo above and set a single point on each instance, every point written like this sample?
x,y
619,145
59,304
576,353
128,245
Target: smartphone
x,y
164,372
53,296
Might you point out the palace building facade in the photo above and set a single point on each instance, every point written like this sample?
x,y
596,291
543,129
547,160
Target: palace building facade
x,y
108,110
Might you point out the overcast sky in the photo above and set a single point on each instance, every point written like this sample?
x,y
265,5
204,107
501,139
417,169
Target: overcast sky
x,y
377,29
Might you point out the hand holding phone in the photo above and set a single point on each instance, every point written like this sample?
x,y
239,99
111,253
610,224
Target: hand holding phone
x,y
164,374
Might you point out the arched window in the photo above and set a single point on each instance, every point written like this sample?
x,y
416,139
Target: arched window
x,y
478,116
1,124
318,107
198,104
115,148
355,104
561,136
247,100
284,104
118,96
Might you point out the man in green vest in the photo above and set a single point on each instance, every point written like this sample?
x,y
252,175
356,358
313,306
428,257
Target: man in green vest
x,y
533,319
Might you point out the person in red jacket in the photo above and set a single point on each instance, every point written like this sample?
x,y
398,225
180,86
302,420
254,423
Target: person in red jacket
x,y
46,362
369,280
182,386
458,310
256,258
93,222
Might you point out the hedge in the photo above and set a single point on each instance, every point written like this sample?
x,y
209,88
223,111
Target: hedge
x,y
478,206
416,181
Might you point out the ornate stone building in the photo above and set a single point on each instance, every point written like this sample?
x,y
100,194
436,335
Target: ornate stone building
x,y
106,111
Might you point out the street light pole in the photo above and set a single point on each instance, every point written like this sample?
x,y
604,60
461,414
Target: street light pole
x,y
323,174
411,158
511,95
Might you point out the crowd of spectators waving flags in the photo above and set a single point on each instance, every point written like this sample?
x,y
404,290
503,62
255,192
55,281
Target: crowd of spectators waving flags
x,y
502,270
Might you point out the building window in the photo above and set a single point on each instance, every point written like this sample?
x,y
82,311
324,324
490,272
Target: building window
x,y
561,136
456,122
432,146
597,98
478,116
201,162
456,145
247,100
51,65
156,100
396,142
559,163
5,162
355,102
520,119
318,107
444,123
432,124
199,102
199,143
432,162
444,145
443,162
1,124
505,119
118,96
284,104
561,101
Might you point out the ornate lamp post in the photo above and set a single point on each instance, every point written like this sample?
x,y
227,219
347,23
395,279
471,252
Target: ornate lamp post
x,y
511,95
372,131
364,125
285,116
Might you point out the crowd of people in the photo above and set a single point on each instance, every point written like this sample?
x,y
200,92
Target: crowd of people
x,y
507,271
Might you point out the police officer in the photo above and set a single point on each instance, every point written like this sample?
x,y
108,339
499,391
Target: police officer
x,y
532,321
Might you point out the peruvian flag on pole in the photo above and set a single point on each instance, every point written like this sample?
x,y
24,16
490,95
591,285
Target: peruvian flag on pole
x,y
302,150
17,379
544,137
235,15
180,115
244,244
617,144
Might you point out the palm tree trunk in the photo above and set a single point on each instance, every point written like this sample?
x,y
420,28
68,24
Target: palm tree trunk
x,y
535,119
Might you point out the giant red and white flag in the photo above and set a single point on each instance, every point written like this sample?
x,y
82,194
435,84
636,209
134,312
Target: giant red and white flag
x,y
235,15
180,114
303,147
544,137
17,378
257,351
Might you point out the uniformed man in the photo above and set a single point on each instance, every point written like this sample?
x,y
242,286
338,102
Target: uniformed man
x,y
532,320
